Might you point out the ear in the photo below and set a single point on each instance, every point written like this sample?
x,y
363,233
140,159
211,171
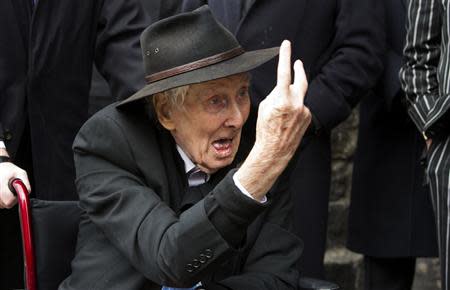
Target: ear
x,y
164,113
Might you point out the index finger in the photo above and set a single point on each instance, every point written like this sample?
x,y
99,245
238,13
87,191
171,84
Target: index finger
x,y
284,66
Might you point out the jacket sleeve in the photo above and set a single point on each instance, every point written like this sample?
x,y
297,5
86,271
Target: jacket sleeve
x,y
118,55
270,262
166,248
354,62
419,75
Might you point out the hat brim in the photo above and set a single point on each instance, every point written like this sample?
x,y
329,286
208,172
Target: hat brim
x,y
241,63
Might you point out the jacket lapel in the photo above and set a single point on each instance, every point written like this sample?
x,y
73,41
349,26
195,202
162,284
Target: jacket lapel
x,y
174,169
231,13
248,6
194,194
23,11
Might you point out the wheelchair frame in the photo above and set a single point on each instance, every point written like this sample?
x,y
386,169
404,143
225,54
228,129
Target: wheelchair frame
x,y
23,201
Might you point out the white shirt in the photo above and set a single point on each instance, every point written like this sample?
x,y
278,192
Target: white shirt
x,y
194,180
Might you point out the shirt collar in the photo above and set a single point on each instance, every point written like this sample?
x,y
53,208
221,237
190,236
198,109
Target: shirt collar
x,y
194,175
188,164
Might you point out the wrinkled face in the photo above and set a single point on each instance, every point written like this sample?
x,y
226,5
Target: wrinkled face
x,y
208,126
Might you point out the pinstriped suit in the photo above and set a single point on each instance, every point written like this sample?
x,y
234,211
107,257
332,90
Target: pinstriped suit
x,y
426,80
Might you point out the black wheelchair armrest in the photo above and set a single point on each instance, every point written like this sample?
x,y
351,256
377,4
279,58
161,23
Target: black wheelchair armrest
x,y
306,283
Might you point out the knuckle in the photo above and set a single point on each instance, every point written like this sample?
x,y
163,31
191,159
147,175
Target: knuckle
x,y
283,77
285,108
8,200
298,108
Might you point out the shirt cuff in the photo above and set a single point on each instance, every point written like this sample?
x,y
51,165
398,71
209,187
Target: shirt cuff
x,y
244,191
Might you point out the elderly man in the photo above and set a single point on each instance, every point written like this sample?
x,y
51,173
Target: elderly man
x,y
168,200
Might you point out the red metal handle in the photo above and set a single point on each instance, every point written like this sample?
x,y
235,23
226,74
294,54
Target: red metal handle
x,y
20,190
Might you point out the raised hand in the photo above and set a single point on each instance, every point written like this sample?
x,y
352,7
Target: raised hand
x,y
282,122
282,116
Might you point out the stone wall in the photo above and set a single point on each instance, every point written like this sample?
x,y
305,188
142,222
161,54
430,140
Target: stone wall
x,y
343,266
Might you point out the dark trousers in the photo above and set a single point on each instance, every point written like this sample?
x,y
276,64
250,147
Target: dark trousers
x,y
11,265
389,273
438,172
310,187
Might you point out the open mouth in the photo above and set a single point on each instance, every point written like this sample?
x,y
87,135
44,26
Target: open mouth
x,y
223,147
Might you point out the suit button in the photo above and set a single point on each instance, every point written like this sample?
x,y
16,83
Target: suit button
x,y
208,253
202,259
190,268
7,135
196,263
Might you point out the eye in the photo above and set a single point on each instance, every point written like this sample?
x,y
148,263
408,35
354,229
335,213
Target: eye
x,y
216,103
243,95
215,100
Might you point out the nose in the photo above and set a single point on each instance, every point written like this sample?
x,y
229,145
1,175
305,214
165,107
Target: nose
x,y
236,116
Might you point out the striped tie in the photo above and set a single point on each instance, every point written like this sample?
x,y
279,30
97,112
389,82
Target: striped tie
x,y
196,177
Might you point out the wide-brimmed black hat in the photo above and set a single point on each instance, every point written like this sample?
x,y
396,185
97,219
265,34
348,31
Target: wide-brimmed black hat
x,y
192,48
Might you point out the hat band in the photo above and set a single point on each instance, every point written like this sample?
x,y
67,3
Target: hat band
x,y
195,65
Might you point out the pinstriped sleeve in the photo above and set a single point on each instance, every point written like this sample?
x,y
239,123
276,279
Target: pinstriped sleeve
x,y
419,75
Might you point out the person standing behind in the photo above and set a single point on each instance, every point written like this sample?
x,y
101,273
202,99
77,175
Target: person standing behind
x,y
340,43
391,219
425,78
47,50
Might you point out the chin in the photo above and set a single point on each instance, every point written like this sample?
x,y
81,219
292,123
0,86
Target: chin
x,y
218,164
225,162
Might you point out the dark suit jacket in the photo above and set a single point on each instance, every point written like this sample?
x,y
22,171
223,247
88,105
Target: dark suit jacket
x,y
391,213
141,230
46,58
341,44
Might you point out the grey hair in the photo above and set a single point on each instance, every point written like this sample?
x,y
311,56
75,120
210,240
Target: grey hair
x,y
174,97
